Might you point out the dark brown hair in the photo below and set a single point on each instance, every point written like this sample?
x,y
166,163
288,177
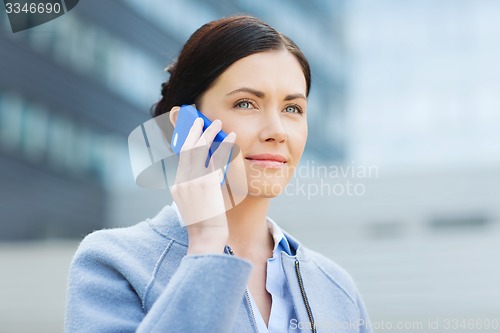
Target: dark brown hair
x,y
212,49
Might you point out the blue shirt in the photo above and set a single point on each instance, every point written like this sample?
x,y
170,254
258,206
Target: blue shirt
x,y
282,307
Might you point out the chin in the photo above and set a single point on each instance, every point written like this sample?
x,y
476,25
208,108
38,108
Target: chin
x,y
263,195
266,188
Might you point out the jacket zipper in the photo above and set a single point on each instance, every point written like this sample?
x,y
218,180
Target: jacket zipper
x,y
251,310
247,296
304,296
302,291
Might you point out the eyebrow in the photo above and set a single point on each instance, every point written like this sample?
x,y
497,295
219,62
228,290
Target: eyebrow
x,y
260,94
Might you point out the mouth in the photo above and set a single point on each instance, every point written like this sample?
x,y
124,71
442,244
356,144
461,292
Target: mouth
x,y
272,161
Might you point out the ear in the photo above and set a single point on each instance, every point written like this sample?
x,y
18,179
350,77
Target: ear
x,y
174,112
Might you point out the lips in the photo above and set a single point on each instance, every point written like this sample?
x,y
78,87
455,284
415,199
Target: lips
x,y
272,161
267,157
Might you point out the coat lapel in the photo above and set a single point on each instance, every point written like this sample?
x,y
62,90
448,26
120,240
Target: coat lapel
x,y
331,307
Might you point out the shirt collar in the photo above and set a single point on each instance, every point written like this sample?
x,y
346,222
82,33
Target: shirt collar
x,y
280,240
179,217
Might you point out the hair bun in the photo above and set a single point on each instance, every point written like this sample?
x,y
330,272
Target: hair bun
x,y
164,88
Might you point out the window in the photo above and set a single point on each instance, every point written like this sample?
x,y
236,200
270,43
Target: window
x,y
35,132
11,121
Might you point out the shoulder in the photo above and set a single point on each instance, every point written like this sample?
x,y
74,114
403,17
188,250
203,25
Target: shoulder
x,y
114,270
142,243
101,242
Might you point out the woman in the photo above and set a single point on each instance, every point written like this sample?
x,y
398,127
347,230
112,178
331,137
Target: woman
x,y
203,264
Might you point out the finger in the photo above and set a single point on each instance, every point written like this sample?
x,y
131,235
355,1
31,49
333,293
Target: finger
x,y
221,156
186,153
205,142
193,135
191,164
208,136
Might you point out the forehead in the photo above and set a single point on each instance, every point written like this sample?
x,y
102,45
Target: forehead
x,y
278,71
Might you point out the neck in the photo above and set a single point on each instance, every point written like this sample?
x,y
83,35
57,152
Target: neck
x,y
249,236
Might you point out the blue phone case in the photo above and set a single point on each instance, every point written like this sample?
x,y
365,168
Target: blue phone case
x,y
185,120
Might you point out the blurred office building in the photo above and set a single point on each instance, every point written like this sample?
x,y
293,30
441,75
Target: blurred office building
x,y
74,88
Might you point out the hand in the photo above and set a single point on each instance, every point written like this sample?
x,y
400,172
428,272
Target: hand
x,y
197,190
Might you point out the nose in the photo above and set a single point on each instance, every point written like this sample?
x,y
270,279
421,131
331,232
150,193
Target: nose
x,y
273,129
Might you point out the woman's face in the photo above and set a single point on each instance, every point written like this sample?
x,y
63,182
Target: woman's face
x,y
262,98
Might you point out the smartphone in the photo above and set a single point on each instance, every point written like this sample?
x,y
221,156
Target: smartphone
x,y
185,120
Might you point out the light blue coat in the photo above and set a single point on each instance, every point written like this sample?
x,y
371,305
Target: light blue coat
x,y
139,279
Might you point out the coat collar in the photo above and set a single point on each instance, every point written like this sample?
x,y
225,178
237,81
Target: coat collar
x,y
168,224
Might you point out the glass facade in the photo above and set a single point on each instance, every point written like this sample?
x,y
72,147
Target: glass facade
x,y
424,83
59,141
94,52
76,86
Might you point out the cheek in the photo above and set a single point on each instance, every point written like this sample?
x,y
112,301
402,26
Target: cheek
x,y
298,138
244,134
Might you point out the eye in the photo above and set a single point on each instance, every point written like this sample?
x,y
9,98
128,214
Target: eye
x,y
244,104
293,109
